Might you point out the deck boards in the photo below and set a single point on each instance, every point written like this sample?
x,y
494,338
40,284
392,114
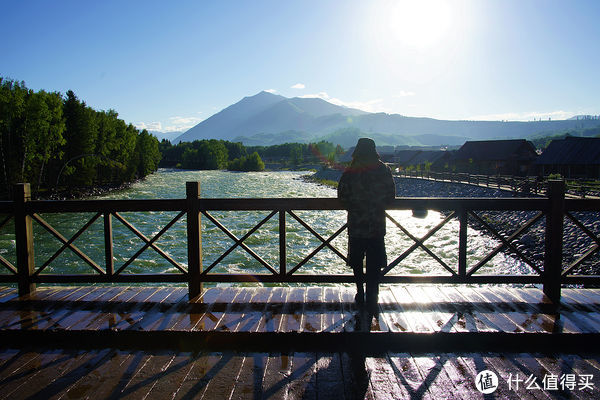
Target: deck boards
x,y
416,309
51,371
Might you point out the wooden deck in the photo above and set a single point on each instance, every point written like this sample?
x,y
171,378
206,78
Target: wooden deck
x,y
302,342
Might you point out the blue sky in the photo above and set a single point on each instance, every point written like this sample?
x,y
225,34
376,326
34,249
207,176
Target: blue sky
x,y
168,65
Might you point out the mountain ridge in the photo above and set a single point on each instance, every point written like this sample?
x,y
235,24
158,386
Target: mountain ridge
x,y
274,118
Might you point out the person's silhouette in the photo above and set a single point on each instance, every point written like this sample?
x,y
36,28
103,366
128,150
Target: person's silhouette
x,y
365,188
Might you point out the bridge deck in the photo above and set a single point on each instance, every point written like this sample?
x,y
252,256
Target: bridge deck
x,y
301,342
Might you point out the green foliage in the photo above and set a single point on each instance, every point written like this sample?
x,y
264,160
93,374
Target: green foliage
x,y
251,163
219,154
46,140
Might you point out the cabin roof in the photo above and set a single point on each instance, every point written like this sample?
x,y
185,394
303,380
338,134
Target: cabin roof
x,y
492,150
571,151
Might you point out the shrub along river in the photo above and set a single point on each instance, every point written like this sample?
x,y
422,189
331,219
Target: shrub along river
x,y
170,184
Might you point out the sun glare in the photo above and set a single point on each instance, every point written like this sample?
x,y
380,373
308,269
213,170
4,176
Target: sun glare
x,y
420,24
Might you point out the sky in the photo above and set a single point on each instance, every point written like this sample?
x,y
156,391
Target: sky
x,y
166,66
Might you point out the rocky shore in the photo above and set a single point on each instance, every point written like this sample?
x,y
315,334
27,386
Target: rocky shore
x,y
531,243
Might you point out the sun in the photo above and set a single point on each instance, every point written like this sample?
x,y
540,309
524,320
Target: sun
x,y
420,24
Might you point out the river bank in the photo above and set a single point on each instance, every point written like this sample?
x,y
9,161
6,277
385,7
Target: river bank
x,y
575,242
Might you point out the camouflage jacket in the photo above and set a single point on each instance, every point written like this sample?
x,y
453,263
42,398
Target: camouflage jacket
x,y
365,192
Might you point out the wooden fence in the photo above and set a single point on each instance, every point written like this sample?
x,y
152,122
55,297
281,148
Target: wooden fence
x,y
524,185
552,210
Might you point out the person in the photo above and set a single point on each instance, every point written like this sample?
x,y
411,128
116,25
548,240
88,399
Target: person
x,y
365,189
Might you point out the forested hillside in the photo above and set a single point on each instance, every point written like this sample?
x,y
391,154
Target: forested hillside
x,y
57,142
222,154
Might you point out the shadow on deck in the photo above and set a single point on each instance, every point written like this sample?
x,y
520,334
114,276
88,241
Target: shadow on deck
x,y
425,342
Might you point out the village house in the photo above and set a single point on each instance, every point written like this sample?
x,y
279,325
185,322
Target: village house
x,y
571,157
495,157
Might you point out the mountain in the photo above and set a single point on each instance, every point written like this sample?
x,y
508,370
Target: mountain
x,y
266,119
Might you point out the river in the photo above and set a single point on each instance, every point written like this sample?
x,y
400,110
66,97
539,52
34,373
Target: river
x,y
168,184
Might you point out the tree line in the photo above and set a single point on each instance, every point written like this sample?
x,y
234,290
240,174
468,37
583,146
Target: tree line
x,y
56,142
222,154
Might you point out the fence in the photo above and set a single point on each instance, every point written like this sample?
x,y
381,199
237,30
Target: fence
x,y
551,274
578,188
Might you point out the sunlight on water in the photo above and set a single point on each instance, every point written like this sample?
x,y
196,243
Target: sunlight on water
x,y
170,184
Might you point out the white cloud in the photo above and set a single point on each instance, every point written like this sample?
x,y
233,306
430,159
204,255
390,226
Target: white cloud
x,y
526,116
150,126
404,93
375,105
174,124
298,86
270,90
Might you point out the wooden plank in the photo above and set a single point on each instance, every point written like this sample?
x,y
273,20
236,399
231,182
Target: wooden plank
x,y
528,366
109,378
522,321
462,378
210,319
188,313
249,382
275,311
74,302
146,378
29,311
166,310
438,320
203,368
276,376
355,375
465,321
85,315
383,384
583,297
224,377
98,308
447,312
435,377
532,319
56,378
412,313
292,321
409,376
62,304
155,307
580,310
312,320
255,311
302,384
329,378
349,309
503,367
496,317
115,309
31,376
332,310
484,313
558,366
235,312
391,313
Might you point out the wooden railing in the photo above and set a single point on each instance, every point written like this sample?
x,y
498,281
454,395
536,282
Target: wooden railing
x,y
524,185
551,210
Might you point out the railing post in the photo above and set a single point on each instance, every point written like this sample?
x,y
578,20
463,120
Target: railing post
x,y
282,244
554,240
462,243
108,244
194,239
24,239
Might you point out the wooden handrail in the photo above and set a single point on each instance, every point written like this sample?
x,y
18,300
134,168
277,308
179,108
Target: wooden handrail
x,y
463,209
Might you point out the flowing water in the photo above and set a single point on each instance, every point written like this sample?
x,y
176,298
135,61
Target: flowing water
x,y
170,184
